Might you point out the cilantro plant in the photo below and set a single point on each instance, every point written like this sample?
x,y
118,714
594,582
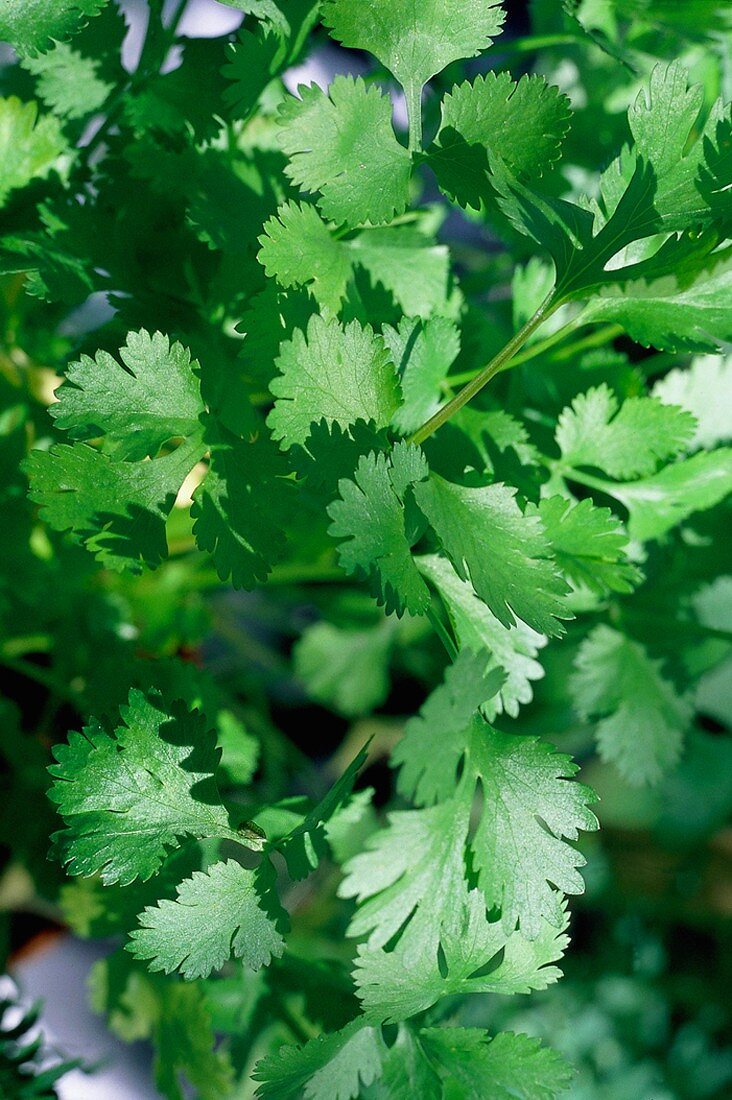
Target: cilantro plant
x,y
365,478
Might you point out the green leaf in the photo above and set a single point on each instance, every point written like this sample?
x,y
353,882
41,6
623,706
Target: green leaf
x,y
705,391
31,25
514,650
342,144
117,509
415,42
128,797
589,544
474,956
299,250
240,510
423,352
68,82
332,1067
689,312
29,145
335,373
624,444
370,516
139,404
215,915
407,263
642,719
658,503
505,555
508,1067
346,670
523,123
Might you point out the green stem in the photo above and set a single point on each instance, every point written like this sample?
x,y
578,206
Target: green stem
x,y
483,377
413,95
443,633
591,482
532,42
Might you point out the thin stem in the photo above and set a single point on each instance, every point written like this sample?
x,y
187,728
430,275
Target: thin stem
x,y
531,42
413,95
442,633
483,377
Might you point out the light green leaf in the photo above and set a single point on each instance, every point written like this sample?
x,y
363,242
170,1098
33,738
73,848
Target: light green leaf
x,y
215,915
625,444
370,516
139,404
334,374
589,544
504,554
346,670
299,250
514,650
523,123
704,390
68,82
29,145
31,25
128,797
332,1067
641,718
423,352
342,144
508,1067
407,263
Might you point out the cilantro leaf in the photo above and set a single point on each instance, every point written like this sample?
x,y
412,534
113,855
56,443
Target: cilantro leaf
x,y
475,956
415,42
239,510
299,250
342,144
514,650
523,123
688,311
138,405
370,516
128,797
30,26
589,544
423,352
117,509
507,1067
641,718
624,444
504,554
345,669
528,805
335,373
68,82
332,1067
216,914
704,390
29,145
409,264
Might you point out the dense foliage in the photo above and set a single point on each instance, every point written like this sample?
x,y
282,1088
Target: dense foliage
x,y
430,363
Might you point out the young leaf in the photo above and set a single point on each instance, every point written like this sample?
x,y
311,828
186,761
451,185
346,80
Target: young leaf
x,y
332,373
514,650
333,1067
370,516
423,352
504,554
625,444
138,405
342,144
128,797
589,544
68,82
299,250
704,390
346,670
215,915
507,1067
30,26
409,264
523,123
641,718
29,145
